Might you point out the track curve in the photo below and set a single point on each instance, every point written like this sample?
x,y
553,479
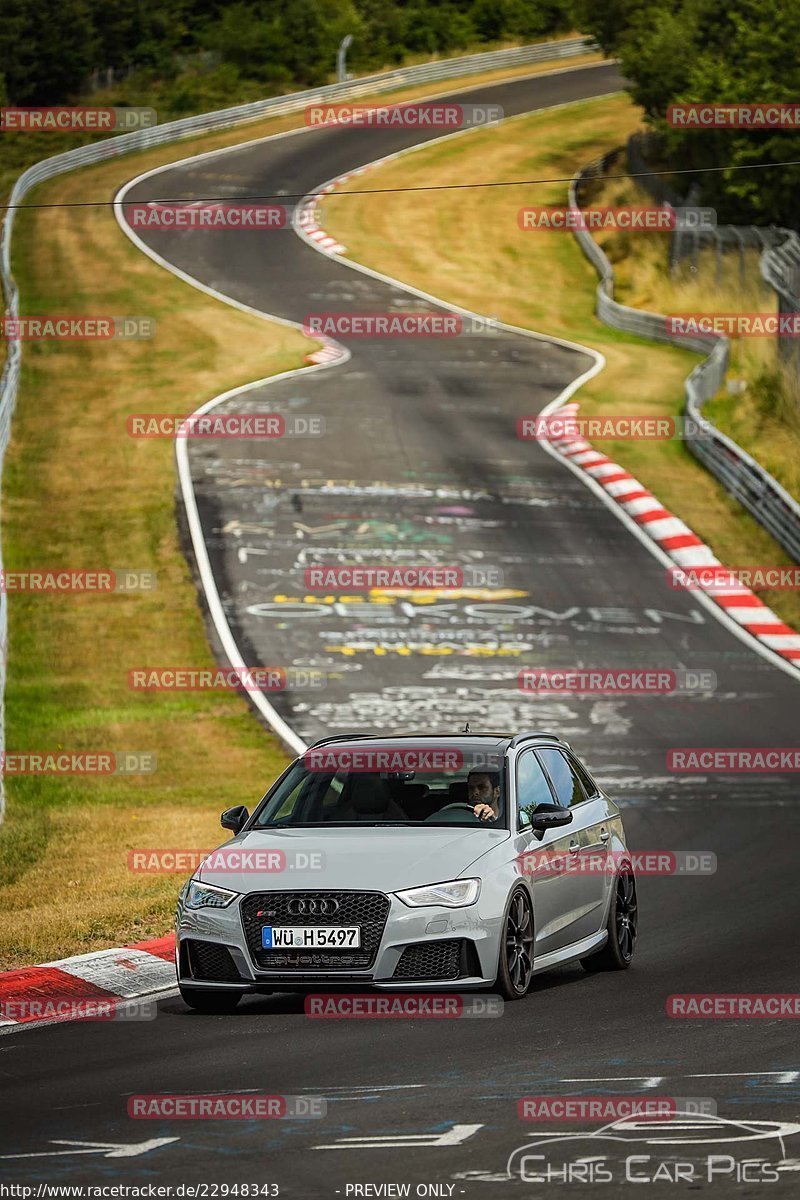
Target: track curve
x,y
422,440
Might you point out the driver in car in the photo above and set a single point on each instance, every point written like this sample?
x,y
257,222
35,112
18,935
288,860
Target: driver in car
x,y
483,790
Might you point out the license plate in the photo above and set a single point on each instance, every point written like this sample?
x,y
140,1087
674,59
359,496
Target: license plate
x,y
315,937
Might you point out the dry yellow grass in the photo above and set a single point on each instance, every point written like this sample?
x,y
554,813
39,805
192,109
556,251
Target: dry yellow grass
x,y
765,420
80,493
470,251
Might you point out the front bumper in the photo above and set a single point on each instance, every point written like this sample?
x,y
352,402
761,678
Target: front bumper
x,y
436,948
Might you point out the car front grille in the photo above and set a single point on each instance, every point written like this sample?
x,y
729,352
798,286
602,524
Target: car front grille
x,y
430,960
369,910
210,961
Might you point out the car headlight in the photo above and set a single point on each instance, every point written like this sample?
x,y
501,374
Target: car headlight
x,y
456,894
205,895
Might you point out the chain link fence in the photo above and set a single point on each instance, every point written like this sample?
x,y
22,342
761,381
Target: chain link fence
x,y
740,474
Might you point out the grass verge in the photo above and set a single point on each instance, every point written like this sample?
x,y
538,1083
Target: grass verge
x,y
79,493
471,252
765,418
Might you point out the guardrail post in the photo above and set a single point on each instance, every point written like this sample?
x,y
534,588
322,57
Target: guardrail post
x,y
341,59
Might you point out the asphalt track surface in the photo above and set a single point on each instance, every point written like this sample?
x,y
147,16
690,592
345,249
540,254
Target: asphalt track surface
x,y
442,1095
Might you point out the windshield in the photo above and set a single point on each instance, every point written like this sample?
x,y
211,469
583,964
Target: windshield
x,y
394,784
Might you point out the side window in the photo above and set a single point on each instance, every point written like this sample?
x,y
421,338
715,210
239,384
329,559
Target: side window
x,y
567,785
333,794
532,786
287,808
589,785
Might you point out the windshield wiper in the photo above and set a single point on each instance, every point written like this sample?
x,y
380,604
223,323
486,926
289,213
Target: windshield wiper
x,y
288,825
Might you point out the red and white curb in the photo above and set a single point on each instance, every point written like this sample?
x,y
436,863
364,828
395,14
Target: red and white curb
x,y
678,541
331,351
308,213
34,994
307,220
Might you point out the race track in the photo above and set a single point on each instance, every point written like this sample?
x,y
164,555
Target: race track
x,y
421,459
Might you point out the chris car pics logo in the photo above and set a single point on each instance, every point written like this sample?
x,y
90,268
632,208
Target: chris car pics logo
x,y
692,1148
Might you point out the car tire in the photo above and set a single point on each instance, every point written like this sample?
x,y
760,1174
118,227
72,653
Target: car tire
x,y
622,928
515,965
208,1000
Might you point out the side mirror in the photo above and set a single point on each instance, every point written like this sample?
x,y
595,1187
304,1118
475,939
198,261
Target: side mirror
x,y
234,818
549,816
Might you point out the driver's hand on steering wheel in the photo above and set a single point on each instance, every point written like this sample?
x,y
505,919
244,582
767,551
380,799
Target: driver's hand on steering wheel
x,y
484,812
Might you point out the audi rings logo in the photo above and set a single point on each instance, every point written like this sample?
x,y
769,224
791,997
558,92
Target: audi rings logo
x,y
324,907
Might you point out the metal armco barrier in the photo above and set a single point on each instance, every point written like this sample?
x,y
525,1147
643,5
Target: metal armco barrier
x,y
174,131
780,267
740,474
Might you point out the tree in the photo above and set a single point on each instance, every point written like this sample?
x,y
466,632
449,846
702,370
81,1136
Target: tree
x,y
45,49
700,52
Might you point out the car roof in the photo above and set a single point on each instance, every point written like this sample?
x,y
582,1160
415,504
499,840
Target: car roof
x,y
499,741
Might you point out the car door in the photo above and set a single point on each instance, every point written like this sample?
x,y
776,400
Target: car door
x,y
591,831
545,859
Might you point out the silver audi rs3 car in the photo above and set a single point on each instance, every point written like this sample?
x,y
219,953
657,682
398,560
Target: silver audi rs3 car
x,y
411,862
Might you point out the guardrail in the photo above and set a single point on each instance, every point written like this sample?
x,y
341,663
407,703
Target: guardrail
x,y
779,262
740,474
780,267
174,131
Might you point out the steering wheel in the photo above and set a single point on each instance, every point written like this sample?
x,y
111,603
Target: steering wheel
x,y
451,808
